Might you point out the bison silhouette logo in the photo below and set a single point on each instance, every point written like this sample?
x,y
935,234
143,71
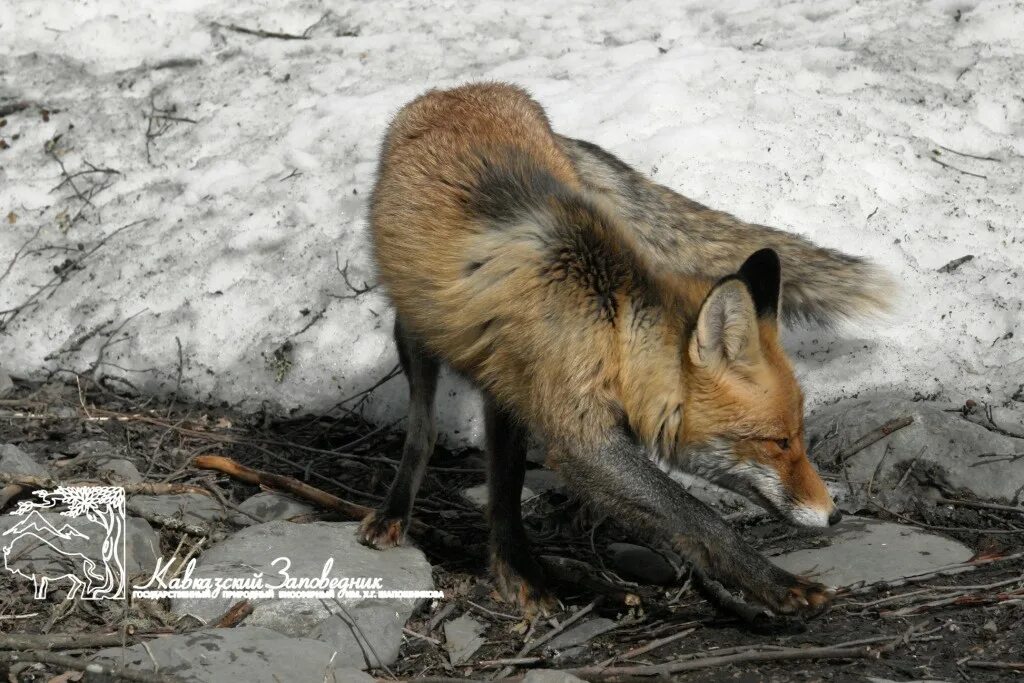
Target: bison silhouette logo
x,y
72,535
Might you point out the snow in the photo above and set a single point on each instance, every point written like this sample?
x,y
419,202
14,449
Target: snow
x,y
820,117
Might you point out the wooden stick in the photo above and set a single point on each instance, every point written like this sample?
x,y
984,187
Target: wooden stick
x,y
873,436
144,488
972,504
235,615
785,654
1011,666
278,481
82,664
67,641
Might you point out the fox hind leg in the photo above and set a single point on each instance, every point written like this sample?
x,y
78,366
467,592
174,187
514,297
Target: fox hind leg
x,y
386,526
519,577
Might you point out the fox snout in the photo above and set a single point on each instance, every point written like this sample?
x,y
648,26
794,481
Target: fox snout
x,y
808,502
788,486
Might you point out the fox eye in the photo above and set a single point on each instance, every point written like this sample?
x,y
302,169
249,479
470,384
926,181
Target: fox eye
x,y
783,444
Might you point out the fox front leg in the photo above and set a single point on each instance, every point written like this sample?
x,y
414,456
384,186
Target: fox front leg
x,y
618,477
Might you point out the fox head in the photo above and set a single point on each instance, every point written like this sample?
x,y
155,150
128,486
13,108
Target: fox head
x,y
744,414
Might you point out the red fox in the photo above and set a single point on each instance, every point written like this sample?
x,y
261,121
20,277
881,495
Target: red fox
x,y
615,319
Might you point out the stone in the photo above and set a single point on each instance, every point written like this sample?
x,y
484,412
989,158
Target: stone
x,y
16,461
268,506
550,676
93,448
246,653
194,508
52,546
580,633
477,495
365,630
944,447
641,564
462,637
732,505
118,471
868,550
6,385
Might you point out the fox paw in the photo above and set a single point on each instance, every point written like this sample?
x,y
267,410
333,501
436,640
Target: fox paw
x,y
800,596
528,592
380,532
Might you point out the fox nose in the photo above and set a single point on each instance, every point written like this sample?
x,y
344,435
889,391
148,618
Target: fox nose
x,y
835,517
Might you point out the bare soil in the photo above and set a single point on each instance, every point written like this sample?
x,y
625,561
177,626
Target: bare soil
x,y
944,627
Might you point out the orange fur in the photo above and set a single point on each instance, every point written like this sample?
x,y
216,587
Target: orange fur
x,y
488,296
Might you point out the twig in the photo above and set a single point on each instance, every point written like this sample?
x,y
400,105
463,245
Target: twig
x,y
158,122
440,616
235,615
20,251
260,33
948,570
530,647
65,641
965,154
149,488
955,263
356,291
873,436
649,647
979,505
959,170
859,649
1005,666
8,316
78,664
278,481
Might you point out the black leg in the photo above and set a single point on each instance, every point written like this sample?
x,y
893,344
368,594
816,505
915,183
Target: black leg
x,y
519,576
619,478
386,526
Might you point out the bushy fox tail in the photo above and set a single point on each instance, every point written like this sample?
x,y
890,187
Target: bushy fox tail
x,y
820,285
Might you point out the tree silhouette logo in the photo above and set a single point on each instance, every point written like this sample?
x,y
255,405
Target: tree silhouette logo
x,y
86,551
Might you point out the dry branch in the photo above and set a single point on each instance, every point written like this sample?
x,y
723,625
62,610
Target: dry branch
x,y
67,641
873,436
81,664
281,482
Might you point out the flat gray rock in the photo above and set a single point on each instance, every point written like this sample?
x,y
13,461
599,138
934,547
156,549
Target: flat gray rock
x,y
948,448
6,385
550,676
51,546
118,470
641,564
462,637
364,630
477,495
247,653
580,633
16,461
268,506
194,508
869,550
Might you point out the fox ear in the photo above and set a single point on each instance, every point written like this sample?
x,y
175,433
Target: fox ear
x,y
726,330
762,274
